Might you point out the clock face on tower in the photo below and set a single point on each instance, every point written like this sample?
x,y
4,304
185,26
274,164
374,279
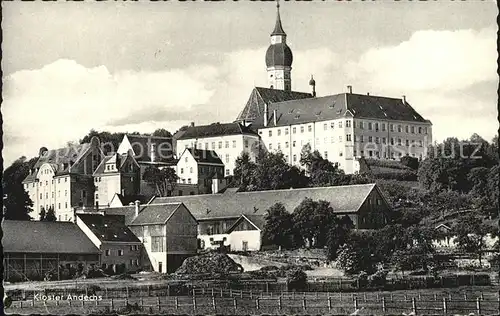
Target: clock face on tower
x,y
279,75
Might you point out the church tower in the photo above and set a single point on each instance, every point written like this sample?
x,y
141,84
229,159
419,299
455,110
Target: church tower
x,y
279,58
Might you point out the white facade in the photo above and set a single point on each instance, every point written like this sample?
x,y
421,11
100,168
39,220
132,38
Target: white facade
x,y
245,240
227,147
345,139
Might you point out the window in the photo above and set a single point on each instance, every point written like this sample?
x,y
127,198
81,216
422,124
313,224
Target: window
x,y
96,196
279,146
294,158
383,127
220,145
213,145
420,143
106,252
46,182
294,143
370,139
270,146
41,196
325,140
392,141
182,170
309,128
326,155
234,144
400,129
420,130
279,132
157,243
294,130
332,125
341,154
377,140
227,144
370,126
286,145
58,180
46,195
399,141
407,142
384,140
270,133
361,125
340,139
406,128
246,143
286,157
348,137
65,204
355,152
186,159
206,146
286,131
325,127
227,158
340,124
425,131
302,129
376,127
120,252
347,123
412,129
189,180
332,140
361,138
370,153
190,169
227,172
180,191
391,127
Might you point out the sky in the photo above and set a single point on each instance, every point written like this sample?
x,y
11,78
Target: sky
x,y
137,66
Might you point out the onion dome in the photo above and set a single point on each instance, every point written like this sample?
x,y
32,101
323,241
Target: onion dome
x,y
279,55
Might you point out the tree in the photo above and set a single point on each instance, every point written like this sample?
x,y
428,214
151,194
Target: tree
x,y
357,255
16,201
337,235
42,214
163,179
161,132
471,232
296,279
243,170
312,221
414,248
50,216
109,141
321,171
278,229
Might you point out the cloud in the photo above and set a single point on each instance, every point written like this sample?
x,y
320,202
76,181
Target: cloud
x,y
62,101
444,60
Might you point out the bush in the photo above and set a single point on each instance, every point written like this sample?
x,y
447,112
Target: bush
x,y
378,279
361,280
296,279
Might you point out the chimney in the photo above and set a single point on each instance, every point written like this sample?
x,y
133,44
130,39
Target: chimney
x,y
349,89
137,205
368,93
404,99
192,124
265,114
153,152
275,117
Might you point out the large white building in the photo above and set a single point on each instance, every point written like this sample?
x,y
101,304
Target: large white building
x,y
62,179
342,127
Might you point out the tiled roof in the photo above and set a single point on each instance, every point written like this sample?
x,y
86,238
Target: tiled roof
x,y
141,146
343,199
127,199
112,159
255,104
336,106
45,237
60,159
257,220
216,129
205,156
155,214
108,227
127,211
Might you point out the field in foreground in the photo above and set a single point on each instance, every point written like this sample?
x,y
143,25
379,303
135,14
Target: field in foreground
x,y
465,300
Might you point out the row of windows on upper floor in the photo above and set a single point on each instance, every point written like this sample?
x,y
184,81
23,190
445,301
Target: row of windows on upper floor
x,y
202,169
58,207
361,125
360,138
53,194
219,145
119,252
40,184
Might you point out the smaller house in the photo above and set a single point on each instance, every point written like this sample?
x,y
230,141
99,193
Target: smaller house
x,y
168,232
202,169
120,249
246,233
117,173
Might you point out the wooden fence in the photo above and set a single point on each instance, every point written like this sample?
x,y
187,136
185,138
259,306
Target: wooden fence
x,y
302,303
